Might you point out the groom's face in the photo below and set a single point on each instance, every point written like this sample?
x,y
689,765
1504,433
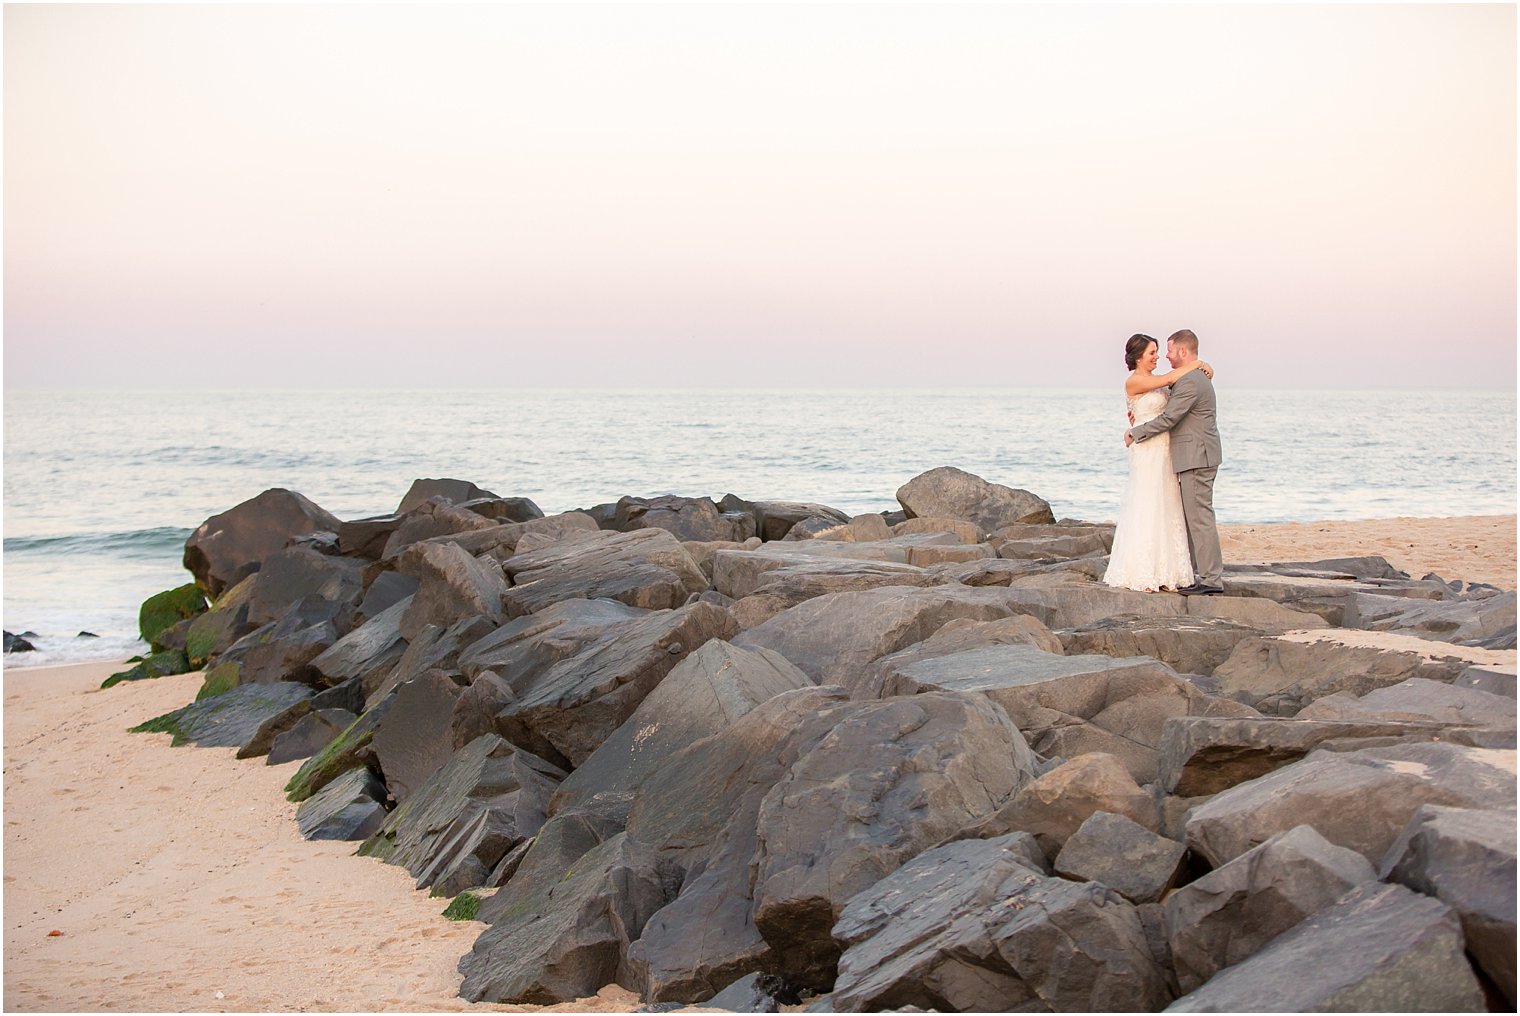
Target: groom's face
x,y
1175,355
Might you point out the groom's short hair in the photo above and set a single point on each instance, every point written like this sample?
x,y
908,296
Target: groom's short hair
x,y
1186,339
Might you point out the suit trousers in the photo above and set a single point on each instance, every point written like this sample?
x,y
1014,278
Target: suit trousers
x,y
1203,538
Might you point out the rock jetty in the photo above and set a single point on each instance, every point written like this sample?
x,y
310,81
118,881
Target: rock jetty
x,y
750,753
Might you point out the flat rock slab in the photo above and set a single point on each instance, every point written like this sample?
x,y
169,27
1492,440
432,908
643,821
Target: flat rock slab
x,y
1361,799
704,693
739,573
1419,700
973,927
229,720
834,638
1190,645
351,807
1380,948
1123,855
781,588
485,800
1228,915
1465,859
1203,755
646,568
1281,674
1070,705
887,677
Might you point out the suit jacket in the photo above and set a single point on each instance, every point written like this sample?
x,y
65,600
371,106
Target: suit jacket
x,y
1189,415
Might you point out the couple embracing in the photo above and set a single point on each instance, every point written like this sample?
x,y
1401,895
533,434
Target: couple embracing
x,y
1166,539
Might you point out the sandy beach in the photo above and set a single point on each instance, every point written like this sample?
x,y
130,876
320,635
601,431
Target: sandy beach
x,y
178,881
143,877
1474,548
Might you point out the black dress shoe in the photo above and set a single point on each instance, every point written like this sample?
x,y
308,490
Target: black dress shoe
x,y
1190,589
1203,590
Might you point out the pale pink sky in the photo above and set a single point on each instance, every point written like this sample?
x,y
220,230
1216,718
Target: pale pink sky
x,y
756,195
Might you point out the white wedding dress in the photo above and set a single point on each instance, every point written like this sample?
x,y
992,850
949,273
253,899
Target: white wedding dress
x,y
1150,542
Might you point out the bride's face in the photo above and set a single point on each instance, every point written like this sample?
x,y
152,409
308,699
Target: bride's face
x,y
1148,359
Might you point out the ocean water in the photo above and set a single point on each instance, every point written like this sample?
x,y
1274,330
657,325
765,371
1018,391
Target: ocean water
x,y
101,488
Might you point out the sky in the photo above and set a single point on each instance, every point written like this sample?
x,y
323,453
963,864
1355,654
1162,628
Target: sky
x,y
756,196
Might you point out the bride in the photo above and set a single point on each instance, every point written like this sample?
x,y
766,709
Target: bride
x,y
1150,543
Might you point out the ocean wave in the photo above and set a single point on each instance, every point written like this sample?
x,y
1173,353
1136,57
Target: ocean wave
x,y
153,543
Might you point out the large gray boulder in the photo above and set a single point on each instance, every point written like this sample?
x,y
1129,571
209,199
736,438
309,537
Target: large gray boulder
x,y
686,518
704,693
1056,804
464,818
570,941
351,807
1361,799
453,586
450,491
434,520
976,926
234,544
433,648
1122,855
1466,859
956,494
1281,674
1071,705
1228,915
804,799
412,742
282,650
296,572
567,710
524,647
700,809
369,652
646,568
1380,948
834,638
775,519
309,735
890,779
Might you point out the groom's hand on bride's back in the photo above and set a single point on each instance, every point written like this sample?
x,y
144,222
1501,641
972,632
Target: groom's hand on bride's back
x,y
1129,439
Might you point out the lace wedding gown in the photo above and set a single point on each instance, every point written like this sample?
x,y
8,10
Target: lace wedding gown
x,y
1150,542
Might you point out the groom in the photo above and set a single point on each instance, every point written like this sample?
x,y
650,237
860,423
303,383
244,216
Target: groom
x,y
1189,415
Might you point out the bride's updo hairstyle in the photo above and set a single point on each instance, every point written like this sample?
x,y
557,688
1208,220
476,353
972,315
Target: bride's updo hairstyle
x,y
1135,348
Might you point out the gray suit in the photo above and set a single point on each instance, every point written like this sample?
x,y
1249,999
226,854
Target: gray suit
x,y
1189,416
